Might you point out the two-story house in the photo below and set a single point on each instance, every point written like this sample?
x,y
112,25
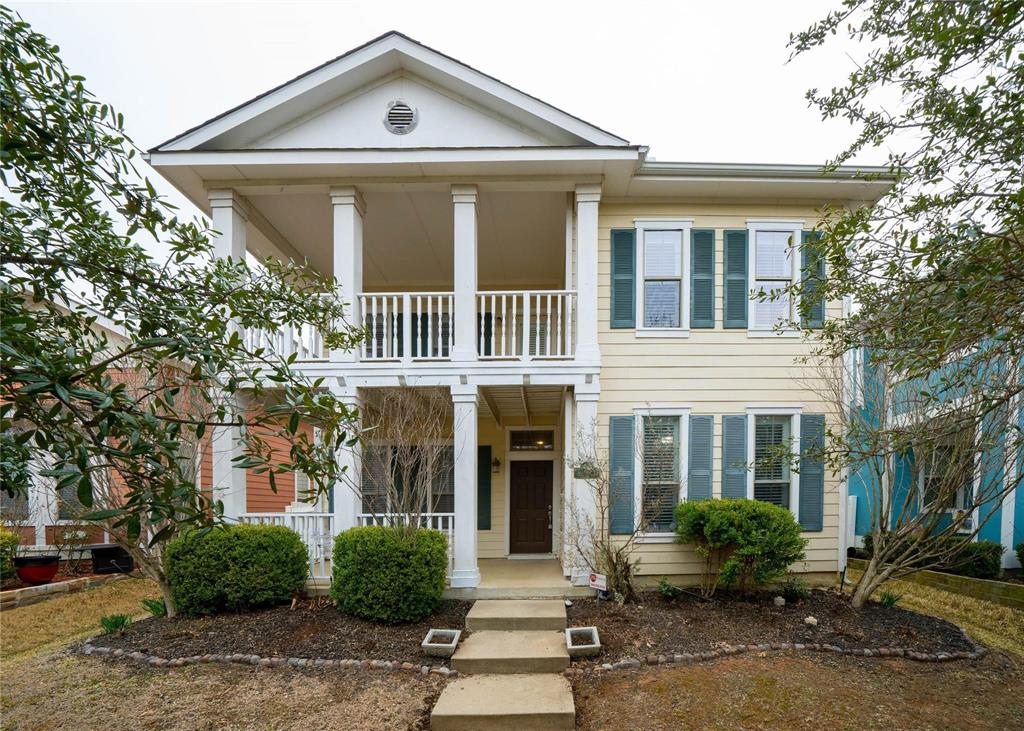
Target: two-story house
x,y
551,279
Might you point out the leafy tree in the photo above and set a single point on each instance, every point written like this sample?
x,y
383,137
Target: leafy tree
x,y
936,267
85,301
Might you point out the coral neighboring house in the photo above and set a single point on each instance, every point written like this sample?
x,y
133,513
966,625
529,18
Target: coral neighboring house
x,y
548,276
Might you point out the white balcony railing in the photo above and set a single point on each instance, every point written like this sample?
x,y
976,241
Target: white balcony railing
x,y
306,342
315,529
408,325
527,325
444,522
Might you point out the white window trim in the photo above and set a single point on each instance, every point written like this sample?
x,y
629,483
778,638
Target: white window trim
x,y
683,413
753,226
794,429
683,225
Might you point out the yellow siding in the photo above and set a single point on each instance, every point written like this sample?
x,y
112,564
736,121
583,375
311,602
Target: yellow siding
x,y
714,372
491,543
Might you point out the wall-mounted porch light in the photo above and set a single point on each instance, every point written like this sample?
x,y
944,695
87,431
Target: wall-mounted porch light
x,y
495,466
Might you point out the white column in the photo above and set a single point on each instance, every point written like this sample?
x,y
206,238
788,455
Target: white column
x,y
1007,516
587,199
464,203
227,481
583,500
348,490
349,209
465,572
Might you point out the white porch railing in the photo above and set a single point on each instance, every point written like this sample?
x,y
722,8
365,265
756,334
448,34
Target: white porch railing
x,y
532,325
444,522
306,343
315,529
408,325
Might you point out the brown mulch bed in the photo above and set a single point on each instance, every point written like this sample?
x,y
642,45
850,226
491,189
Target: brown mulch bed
x,y
656,626
311,630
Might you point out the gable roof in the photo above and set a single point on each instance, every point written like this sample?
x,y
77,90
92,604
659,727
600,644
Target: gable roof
x,y
388,53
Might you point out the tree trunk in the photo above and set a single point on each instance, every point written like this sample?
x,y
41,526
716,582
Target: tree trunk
x,y
873,577
165,590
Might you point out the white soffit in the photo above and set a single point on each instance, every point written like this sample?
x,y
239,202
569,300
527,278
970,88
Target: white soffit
x,y
389,56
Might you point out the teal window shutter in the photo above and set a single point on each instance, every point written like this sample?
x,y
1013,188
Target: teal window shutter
x,y
736,285
483,487
702,278
734,456
698,483
811,508
812,275
623,314
621,453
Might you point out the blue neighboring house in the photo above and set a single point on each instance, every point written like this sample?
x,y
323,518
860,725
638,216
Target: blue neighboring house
x,y
1002,523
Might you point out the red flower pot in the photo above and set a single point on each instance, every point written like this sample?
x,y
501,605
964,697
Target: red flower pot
x,y
35,570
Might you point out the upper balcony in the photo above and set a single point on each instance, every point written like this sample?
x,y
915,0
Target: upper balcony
x,y
435,273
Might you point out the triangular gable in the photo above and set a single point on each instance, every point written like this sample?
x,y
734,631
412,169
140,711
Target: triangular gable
x,y
342,104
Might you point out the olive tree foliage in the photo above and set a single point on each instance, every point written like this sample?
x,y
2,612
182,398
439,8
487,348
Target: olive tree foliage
x,y
936,267
83,298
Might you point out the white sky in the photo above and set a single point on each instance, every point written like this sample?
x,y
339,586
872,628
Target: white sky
x,y
695,81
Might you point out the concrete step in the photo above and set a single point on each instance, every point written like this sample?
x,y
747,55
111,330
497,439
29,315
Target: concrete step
x,y
505,703
510,614
492,651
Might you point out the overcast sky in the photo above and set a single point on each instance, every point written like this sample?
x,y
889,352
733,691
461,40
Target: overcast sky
x,y
695,81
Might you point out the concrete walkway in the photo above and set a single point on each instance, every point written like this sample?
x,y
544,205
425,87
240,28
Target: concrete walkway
x,y
511,665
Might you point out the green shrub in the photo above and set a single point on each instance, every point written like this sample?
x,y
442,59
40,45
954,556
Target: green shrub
x,y
389,575
668,590
115,623
795,589
889,598
749,542
9,541
235,568
1020,553
977,559
156,607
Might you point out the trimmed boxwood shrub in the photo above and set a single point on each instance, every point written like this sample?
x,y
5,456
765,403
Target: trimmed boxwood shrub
x,y
389,575
978,559
9,541
235,568
750,542
1020,553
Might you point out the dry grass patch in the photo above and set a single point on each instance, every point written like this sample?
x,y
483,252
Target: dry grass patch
x,y
987,622
66,617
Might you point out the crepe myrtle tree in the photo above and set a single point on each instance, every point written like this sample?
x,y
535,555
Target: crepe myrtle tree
x,y
932,471
936,267
588,533
83,297
408,460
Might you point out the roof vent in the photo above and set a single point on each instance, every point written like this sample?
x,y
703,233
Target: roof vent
x,y
400,118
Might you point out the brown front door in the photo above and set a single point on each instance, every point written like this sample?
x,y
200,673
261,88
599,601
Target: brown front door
x,y
530,507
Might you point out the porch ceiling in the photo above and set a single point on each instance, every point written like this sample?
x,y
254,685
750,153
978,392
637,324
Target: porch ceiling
x,y
522,405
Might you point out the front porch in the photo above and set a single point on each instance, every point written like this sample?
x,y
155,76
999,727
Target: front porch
x,y
500,497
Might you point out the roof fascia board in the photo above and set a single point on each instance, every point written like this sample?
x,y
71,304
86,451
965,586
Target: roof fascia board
x,y
657,169
375,49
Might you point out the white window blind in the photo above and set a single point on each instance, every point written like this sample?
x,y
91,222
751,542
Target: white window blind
x,y
773,272
663,267
771,466
660,472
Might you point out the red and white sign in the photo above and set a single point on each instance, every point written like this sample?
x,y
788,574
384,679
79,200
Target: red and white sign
x,y
599,582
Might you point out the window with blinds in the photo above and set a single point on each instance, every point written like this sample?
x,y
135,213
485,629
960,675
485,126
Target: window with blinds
x,y
947,475
773,272
661,479
663,278
772,436
380,475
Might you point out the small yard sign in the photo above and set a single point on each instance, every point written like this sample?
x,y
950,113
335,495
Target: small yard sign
x,y
599,582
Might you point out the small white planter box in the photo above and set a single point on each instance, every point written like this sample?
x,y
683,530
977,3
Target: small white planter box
x,y
441,642
582,641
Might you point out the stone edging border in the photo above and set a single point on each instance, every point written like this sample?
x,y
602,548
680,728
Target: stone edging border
x,y
394,666
631,663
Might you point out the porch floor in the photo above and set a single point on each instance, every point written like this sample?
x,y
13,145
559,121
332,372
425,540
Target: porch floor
x,y
519,579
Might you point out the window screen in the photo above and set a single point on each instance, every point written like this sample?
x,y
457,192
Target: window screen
x,y
771,465
660,472
663,251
